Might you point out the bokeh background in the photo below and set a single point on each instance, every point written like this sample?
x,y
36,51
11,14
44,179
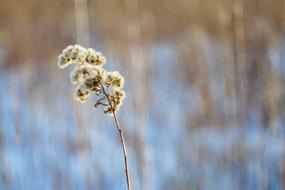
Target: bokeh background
x,y
205,106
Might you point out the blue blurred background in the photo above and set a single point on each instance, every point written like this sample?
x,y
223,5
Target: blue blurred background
x,y
205,106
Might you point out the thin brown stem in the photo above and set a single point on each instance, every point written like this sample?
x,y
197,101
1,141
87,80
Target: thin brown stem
x,y
121,137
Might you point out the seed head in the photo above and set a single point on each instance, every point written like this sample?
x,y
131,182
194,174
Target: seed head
x,y
114,79
82,93
95,58
91,77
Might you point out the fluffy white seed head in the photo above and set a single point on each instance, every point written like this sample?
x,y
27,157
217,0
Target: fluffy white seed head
x,y
90,76
82,93
116,99
95,57
114,79
72,54
82,72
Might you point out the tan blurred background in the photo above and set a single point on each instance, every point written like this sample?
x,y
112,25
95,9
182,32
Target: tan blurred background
x,y
205,102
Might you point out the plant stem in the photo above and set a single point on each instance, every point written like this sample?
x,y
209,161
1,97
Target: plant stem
x,y
124,149
121,137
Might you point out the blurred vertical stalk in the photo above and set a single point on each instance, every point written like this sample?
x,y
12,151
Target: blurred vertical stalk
x,y
240,84
225,31
140,95
82,22
81,37
240,67
271,68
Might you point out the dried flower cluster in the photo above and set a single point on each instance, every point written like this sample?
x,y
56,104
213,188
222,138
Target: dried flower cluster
x,y
91,77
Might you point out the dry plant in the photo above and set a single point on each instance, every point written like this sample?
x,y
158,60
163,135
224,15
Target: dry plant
x,y
91,77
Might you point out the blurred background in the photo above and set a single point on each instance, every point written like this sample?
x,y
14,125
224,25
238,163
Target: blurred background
x,y
205,106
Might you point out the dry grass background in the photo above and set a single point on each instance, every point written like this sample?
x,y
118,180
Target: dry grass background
x,y
205,106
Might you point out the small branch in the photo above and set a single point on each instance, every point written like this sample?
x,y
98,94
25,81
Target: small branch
x,y
100,102
121,137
